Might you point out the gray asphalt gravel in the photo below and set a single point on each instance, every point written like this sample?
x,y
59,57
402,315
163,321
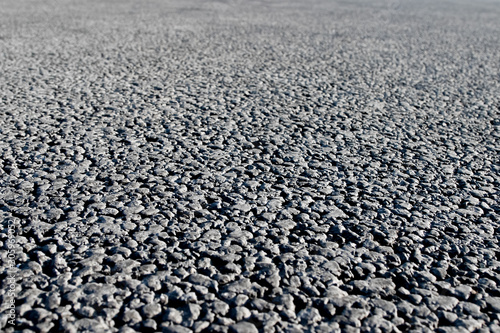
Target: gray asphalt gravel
x,y
250,166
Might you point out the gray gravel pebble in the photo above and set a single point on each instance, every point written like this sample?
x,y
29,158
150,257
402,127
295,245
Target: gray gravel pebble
x,y
243,327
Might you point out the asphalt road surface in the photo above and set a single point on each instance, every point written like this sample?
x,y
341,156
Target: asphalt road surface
x,y
250,166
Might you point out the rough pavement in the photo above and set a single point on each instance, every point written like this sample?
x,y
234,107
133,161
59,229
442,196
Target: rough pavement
x,y
250,166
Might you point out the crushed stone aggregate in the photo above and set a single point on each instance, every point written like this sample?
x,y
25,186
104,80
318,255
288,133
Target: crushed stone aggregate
x,y
250,166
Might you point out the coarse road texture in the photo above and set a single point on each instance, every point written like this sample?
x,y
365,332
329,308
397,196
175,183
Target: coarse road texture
x,y
251,166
